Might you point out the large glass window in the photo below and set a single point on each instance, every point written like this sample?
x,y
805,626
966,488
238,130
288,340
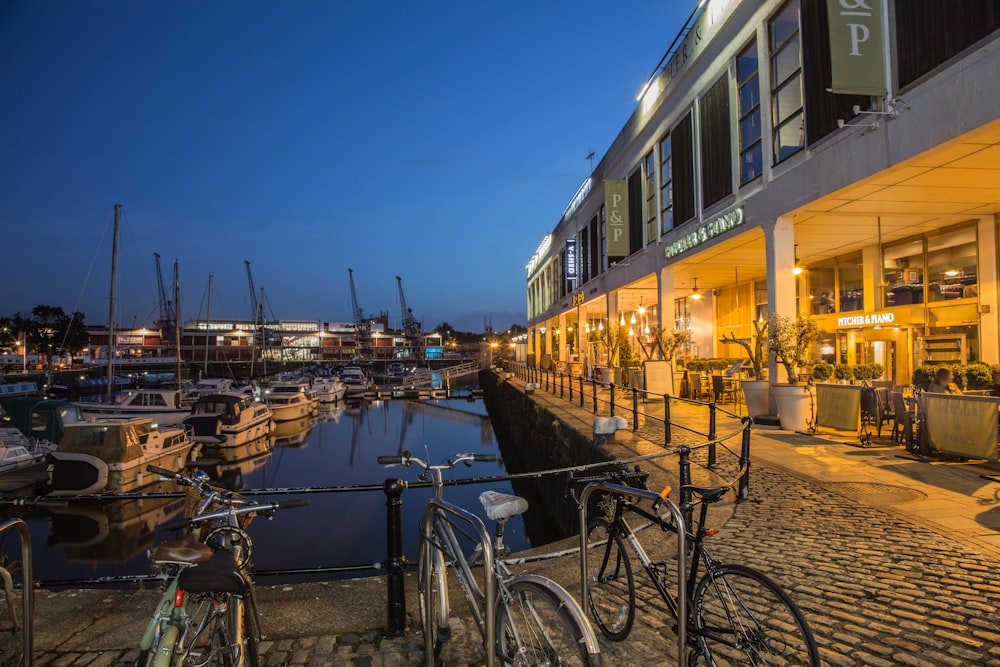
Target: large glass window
x,y
748,81
823,288
604,239
903,272
951,265
666,186
649,167
921,42
786,82
716,145
851,275
682,145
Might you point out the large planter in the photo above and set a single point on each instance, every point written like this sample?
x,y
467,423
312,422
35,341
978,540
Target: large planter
x,y
755,393
603,375
794,403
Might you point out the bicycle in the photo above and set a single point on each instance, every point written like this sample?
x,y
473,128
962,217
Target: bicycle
x,y
208,613
524,620
733,614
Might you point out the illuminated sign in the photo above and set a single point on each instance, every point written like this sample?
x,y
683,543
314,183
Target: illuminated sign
x,y
543,248
577,199
570,258
710,229
867,320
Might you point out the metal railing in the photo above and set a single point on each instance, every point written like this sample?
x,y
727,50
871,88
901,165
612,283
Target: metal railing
x,y
27,590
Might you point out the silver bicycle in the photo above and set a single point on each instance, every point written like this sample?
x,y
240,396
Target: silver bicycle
x,y
525,620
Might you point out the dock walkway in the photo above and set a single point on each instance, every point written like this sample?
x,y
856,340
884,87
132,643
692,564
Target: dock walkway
x,y
890,557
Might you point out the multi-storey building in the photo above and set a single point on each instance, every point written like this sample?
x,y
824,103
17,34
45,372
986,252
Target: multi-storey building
x,y
836,159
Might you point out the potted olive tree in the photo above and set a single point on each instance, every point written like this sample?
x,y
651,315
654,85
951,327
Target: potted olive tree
x,y
755,391
791,340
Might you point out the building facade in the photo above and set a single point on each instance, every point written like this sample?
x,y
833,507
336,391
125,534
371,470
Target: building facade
x,y
744,185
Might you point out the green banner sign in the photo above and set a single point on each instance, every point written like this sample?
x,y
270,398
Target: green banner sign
x,y
616,206
857,56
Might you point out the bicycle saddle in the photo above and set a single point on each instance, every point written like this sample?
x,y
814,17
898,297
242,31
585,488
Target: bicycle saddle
x,y
502,505
187,551
216,575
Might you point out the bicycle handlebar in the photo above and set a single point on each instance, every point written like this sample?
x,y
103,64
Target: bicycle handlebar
x,y
250,508
407,459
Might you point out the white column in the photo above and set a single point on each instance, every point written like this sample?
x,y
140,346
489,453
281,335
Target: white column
x,y
563,338
779,242
665,297
988,301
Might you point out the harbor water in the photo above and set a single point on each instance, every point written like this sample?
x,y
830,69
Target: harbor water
x,y
310,459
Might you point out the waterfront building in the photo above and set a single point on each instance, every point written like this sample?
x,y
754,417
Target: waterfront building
x,y
841,164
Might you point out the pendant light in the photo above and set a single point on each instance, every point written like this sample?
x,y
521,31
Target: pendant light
x,y
696,293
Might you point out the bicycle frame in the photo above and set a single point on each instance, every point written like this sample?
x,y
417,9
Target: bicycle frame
x,y
681,603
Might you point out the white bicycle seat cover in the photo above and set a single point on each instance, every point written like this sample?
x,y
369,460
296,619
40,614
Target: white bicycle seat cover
x,y
502,505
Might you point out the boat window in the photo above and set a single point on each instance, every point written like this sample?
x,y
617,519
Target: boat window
x,y
157,400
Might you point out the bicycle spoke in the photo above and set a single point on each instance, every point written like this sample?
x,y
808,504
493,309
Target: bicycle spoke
x,y
741,617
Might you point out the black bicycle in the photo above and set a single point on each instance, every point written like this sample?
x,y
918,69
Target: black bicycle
x,y
735,615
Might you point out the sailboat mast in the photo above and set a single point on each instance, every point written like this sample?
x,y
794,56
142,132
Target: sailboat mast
x,y
208,321
112,332
177,320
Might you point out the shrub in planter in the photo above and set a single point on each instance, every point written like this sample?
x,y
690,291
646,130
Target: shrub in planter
x,y
822,371
697,365
875,370
843,372
978,376
923,376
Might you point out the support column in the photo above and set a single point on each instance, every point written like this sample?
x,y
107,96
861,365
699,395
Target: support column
x,y
779,242
563,336
988,298
665,298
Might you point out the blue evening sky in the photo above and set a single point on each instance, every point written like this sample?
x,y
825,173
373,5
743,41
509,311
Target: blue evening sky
x,y
437,141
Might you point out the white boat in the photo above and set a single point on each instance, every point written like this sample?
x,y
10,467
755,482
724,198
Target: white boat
x,y
164,406
209,386
290,399
355,380
111,455
229,419
16,451
327,388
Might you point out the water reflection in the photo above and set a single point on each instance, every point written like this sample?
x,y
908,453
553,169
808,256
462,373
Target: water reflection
x,y
338,528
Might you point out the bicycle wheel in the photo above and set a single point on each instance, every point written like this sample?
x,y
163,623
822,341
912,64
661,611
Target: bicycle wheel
x,y
741,617
209,638
432,596
610,586
534,629
244,631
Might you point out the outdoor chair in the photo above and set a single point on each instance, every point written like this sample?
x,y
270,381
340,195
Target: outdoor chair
x,y
723,387
874,411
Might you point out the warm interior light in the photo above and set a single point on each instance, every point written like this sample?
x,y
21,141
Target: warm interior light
x,y
631,332
951,273
586,328
695,293
600,326
646,330
632,321
621,322
797,270
642,311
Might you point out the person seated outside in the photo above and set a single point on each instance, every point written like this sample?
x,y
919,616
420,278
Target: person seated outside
x,y
944,382
995,385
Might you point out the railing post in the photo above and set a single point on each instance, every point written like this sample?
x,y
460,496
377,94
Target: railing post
x,y
635,409
687,507
594,387
667,437
581,391
743,488
395,561
570,383
611,387
562,388
711,434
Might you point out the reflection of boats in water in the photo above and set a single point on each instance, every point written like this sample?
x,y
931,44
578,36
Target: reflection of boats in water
x,y
330,414
293,433
231,466
111,532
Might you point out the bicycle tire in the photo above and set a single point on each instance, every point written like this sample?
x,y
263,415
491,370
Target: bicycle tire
x,y
534,628
432,598
610,583
247,631
743,617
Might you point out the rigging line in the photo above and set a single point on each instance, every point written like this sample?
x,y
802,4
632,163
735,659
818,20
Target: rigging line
x,y
90,270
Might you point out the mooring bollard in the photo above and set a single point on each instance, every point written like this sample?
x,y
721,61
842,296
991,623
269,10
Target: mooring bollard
x,y
395,561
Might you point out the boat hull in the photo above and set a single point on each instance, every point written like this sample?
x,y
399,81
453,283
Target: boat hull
x,y
72,473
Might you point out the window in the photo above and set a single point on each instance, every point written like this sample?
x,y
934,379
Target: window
x,y
595,247
748,82
666,186
583,257
635,206
716,143
922,44
649,169
682,143
903,271
786,82
604,239
823,288
951,265
851,279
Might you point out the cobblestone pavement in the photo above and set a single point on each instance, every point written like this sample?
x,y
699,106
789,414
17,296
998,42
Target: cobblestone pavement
x,y
877,585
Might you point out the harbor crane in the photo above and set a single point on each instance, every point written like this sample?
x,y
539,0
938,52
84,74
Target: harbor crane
x,y
168,325
411,327
362,326
261,334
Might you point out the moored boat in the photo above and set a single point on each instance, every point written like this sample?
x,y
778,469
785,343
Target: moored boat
x,y
42,420
290,400
229,419
163,406
16,451
355,380
111,455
